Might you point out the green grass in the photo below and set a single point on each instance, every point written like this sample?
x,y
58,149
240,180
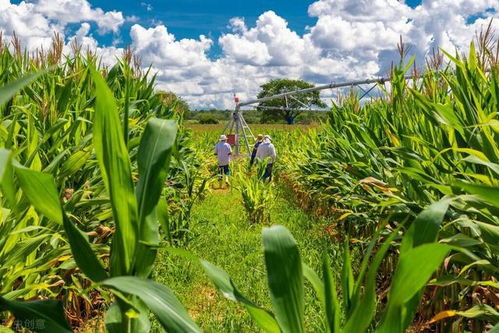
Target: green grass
x,y
222,236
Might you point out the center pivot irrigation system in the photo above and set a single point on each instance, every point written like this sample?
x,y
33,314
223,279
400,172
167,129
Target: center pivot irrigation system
x,y
237,129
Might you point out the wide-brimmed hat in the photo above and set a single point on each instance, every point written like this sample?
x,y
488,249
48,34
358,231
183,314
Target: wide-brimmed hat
x,y
267,137
223,137
259,137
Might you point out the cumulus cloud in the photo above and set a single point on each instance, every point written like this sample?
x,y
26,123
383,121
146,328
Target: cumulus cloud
x,y
35,22
349,40
74,11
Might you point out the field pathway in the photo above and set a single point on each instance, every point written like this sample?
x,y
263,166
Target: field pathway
x,y
222,235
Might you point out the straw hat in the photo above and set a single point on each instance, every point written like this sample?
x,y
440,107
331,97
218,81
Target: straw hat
x,y
223,138
259,137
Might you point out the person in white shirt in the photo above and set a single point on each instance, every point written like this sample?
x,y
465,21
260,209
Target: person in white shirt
x,y
266,150
223,151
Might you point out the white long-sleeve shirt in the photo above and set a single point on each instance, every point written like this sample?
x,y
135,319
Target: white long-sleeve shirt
x,y
266,149
223,152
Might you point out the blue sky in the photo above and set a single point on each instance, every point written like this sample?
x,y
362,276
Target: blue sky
x,y
247,43
192,18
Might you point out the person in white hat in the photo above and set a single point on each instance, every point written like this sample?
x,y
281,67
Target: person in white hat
x,y
223,152
266,150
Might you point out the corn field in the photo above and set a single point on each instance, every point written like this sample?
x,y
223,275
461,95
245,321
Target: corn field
x,y
98,173
379,164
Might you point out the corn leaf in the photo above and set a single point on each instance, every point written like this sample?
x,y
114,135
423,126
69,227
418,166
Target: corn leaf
x,y
226,286
113,319
364,308
153,161
41,191
159,299
347,280
114,163
9,90
486,193
82,252
425,227
316,282
333,308
44,316
414,269
6,176
74,163
285,278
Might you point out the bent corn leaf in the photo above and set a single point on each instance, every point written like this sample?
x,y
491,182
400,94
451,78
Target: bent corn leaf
x,y
159,299
224,284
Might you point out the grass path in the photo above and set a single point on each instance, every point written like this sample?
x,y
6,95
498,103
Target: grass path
x,y
222,236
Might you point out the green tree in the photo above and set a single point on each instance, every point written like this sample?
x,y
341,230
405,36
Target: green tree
x,y
290,106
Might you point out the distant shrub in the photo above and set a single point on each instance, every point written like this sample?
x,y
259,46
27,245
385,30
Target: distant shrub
x,y
207,119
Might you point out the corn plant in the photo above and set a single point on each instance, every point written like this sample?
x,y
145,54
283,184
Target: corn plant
x,y
135,213
427,138
49,126
258,197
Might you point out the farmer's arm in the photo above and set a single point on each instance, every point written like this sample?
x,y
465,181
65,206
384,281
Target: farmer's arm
x,y
272,152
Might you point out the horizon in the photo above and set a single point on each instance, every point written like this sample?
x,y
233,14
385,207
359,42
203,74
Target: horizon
x,y
207,51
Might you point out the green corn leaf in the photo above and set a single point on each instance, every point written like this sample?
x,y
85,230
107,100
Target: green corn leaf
x,y
315,281
8,91
159,299
423,230
285,278
347,279
333,309
226,286
414,269
40,316
4,329
474,159
7,175
114,163
489,232
425,227
41,191
23,249
153,161
154,152
113,319
486,193
74,163
82,252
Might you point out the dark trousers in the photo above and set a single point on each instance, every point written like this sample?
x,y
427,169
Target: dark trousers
x,y
268,172
252,159
224,170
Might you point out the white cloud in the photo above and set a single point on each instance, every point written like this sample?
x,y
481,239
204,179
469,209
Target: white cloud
x,y
349,40
158,47
74,11
35,22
